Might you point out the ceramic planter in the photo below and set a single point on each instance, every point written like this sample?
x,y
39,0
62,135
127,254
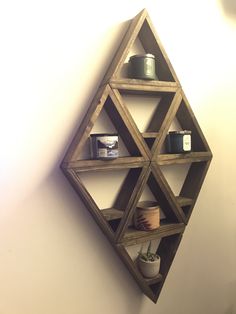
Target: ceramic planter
x,y
149,269
147,216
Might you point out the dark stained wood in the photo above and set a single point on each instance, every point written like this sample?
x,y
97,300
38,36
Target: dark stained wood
x,y
126,128
89,203
188,121
134,271
184,201
125,197
164,117
100,165
145,158
155,280
160,112
140,86
143,146
84,130
167,250
132,188
150,134
133,236
193,182
125,46
163,193
169,159
153,45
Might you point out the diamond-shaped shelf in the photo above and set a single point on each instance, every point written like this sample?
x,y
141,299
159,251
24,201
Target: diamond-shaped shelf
x,y
144,165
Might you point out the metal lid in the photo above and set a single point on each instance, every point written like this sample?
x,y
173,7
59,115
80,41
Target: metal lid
x,y
145,55
181,132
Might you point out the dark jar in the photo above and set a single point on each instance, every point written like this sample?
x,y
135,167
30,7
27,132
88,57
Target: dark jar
x,y
179,142
104,146
143,67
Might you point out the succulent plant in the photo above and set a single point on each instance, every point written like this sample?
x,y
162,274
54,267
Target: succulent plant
x,y
148,255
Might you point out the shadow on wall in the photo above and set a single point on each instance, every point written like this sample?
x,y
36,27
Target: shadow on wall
x,y
229,7
72,208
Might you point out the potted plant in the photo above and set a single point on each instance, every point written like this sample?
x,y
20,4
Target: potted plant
x,y
149,262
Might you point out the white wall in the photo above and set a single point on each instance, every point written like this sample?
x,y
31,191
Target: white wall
x,y
53,258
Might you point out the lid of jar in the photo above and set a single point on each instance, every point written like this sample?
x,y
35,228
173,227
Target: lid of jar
x,y
181,132
147,205
145,55
103,134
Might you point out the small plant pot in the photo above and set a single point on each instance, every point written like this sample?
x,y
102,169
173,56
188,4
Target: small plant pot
x,y
149,269
147,216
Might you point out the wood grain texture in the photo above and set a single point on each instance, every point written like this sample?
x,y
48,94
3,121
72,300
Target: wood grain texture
x,y
85,128
170,159
165,195
142,144
167,250
145,160
125,46
103,165
89,203
133,236
153,45
138,183
142,87
134,271
164,117
188,121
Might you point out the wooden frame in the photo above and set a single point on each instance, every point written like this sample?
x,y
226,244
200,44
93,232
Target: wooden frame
x,y
145,156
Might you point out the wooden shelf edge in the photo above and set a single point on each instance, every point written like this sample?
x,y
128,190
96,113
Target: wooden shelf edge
x,y
151,281
153,135
96,164
168,159
133,236
143,85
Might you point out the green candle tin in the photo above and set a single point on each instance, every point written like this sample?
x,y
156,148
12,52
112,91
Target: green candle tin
x,y
143,67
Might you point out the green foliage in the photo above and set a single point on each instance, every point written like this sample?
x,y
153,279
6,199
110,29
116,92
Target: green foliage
x,y
148,256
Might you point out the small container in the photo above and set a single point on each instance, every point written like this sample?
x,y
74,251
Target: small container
x,y
143,67
147,216
104,146
179,142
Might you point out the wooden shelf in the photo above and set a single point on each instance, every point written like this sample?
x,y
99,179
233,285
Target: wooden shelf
x,y
113,164
145,157
170,159
140,86
151,281
134,236
150,134
113,213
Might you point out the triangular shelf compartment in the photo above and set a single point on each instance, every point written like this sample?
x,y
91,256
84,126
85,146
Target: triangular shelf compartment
x,y
142,28
142,165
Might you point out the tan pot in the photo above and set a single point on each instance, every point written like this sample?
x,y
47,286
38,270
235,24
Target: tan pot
x,y
149,269
147,216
